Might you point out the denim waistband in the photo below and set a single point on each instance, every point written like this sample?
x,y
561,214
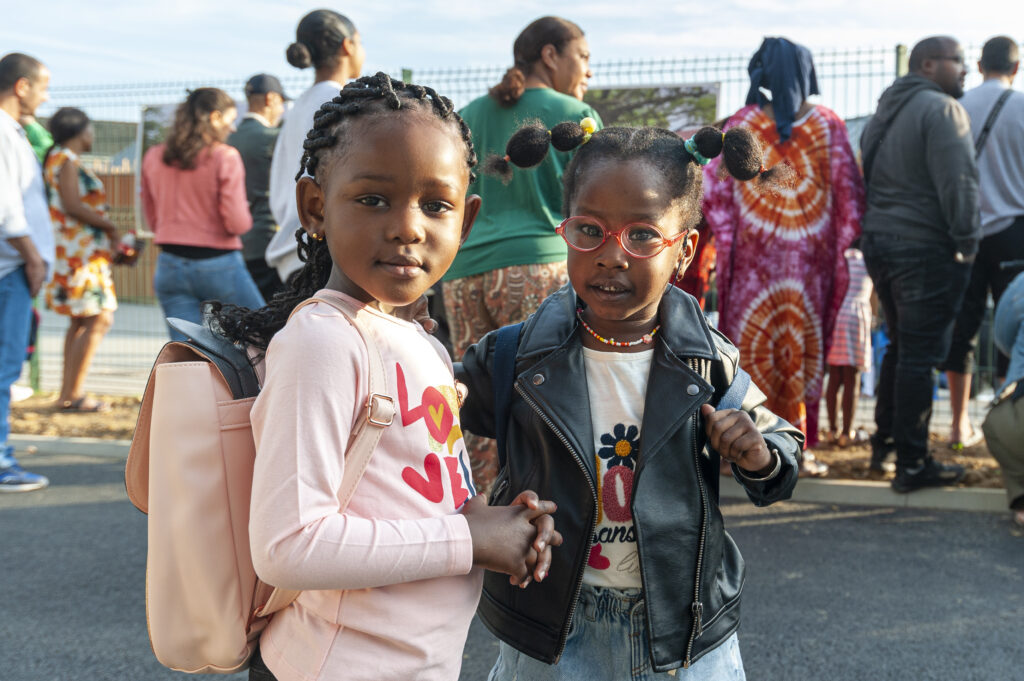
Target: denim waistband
x,y
611,601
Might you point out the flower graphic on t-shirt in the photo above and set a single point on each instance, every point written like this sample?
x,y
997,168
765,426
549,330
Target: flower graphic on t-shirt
x,y
622,446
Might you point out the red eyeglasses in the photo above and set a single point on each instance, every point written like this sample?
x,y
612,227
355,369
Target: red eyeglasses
x,y
637,239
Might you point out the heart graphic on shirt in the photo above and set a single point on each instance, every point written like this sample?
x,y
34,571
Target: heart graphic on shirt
x,y
437,413
596,560
431,487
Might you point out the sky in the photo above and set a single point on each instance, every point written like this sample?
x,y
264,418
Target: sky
x,y
117,41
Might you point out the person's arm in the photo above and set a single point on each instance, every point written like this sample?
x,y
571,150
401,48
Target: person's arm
x,y
14,226
232,202
783,441
71,201
474,371
949,155
35,266
148,200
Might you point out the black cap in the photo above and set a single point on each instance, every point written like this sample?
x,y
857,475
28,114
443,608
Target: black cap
x,y
262,83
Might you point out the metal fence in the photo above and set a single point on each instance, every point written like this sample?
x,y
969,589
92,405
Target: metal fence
x,y
850,81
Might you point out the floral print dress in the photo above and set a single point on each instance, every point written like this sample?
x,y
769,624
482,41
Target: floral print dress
x,y
82,284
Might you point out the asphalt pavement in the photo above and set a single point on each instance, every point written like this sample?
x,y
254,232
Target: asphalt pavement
x,y
836,593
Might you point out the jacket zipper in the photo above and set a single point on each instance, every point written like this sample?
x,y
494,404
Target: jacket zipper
x,y
590,536
697,608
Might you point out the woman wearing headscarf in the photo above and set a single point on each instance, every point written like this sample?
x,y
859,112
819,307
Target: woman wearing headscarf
x,y
781,269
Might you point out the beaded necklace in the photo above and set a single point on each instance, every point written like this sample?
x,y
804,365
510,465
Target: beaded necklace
x,y
646,339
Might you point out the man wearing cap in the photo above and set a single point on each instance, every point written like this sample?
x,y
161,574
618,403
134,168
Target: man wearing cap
x,y
254,139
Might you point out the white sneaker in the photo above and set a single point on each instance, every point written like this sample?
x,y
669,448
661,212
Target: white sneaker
x,y
21,392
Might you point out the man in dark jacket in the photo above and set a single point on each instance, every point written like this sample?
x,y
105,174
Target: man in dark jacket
x,y
255,139
921,231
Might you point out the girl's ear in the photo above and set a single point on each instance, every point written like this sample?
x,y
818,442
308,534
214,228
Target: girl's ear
x,y
686,253
473,203
309,199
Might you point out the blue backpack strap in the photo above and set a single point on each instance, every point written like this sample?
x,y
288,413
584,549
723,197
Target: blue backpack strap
x,y
505,348
733,397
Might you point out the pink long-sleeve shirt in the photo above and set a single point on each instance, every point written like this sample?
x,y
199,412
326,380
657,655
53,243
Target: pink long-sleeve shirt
x,y
389,587
204,206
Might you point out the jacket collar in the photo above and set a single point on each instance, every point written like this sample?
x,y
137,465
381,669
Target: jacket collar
x,y
557,383
684,331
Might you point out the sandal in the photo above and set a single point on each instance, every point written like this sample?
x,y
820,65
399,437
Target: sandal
x,y
81,406
975,438
860,437
812,468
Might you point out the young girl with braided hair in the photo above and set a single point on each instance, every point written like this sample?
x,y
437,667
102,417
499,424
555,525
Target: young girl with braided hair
x,y
390,584
618,409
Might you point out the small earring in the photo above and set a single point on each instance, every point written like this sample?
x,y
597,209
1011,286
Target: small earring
x,y
316,236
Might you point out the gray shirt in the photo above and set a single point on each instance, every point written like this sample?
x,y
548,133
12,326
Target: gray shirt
x,y
924,182
255,140
1001,164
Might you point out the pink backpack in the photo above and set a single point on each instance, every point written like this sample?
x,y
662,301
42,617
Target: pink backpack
x,y
190,469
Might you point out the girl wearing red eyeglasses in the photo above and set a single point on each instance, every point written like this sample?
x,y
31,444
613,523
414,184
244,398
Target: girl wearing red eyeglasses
x,y
617,410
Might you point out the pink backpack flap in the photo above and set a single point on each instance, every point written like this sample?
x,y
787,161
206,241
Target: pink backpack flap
x,y
190,469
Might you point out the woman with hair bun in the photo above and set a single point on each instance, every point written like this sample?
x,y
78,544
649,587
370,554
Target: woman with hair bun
x,y
82,287
330,43
513,258
193,195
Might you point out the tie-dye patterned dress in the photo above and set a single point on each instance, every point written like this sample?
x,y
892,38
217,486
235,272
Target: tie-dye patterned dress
x,y
781,273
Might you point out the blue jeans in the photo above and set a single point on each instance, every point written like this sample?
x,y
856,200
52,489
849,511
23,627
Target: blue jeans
x,y
608,640
920,287
182,284
1008,327
15,325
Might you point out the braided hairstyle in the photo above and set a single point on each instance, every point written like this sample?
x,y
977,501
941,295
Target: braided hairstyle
x,y
329,136
665,150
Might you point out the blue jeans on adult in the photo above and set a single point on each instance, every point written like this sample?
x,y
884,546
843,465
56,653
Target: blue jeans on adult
x,y
1008,327
920,287
182,284
15,325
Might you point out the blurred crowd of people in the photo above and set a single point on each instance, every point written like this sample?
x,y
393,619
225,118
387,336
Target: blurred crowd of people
x,y
923,225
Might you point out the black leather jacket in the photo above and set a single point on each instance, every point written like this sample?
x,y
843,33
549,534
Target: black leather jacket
x,y
691,570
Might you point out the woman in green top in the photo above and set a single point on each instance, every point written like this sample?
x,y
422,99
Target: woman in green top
x,y
513,258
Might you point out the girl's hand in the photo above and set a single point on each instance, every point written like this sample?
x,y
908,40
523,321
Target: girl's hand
x,y
417,312
546,537
505,537
734,436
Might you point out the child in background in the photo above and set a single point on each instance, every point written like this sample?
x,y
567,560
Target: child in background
x,y
389,586
611,417
850,353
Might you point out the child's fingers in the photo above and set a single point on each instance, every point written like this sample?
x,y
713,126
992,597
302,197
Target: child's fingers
x,y
556,539
545,528
543,565
541,508
526,498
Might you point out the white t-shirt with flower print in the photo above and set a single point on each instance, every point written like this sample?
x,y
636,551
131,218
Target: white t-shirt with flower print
x,y
616,385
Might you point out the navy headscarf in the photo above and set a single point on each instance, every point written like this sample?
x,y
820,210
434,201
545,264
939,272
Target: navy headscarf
x,y
787,71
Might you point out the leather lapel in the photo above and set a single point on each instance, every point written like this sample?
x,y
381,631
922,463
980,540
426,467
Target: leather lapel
x,y
669,402
558,385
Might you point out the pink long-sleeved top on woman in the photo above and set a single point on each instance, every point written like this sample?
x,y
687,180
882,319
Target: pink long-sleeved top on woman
x,y
203,206
389,587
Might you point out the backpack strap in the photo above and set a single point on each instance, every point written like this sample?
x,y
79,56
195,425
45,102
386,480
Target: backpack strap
x,y
979,144
733,397
379,406
505,348
868,157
